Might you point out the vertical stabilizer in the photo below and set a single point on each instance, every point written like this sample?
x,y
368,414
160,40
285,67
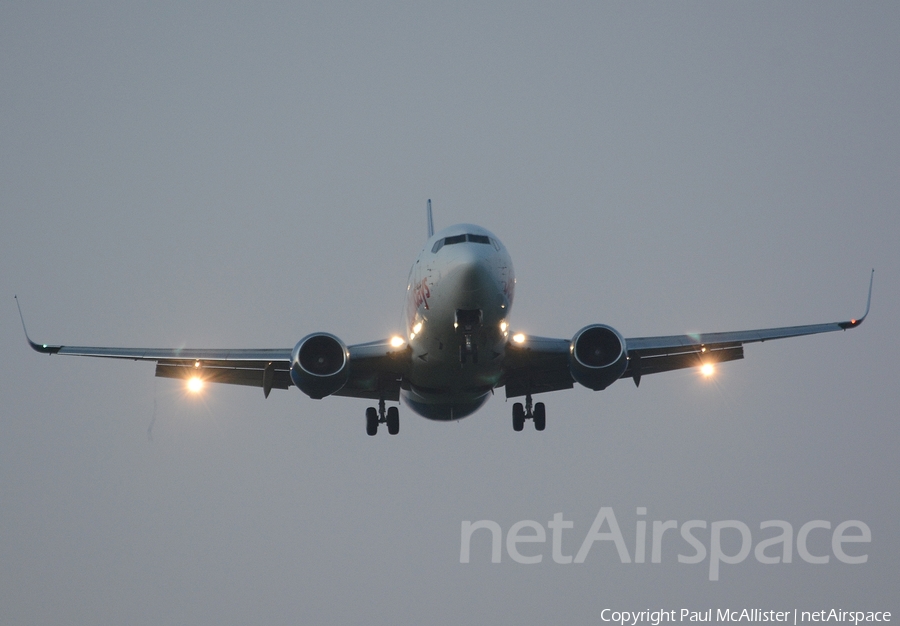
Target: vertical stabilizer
x,y
430,221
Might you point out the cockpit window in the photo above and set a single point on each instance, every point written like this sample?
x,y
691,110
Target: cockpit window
x,y
449,241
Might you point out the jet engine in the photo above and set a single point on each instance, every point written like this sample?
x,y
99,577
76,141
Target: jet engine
x,y
320,365
597,356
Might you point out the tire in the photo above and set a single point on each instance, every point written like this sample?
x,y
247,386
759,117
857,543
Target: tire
x,y
371,421
518,417
540,416
393,420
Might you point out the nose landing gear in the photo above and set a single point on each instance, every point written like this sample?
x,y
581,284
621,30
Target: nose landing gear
x,y
468,322
374,417
520,413
468,348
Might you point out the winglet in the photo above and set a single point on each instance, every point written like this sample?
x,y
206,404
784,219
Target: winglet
x,y
35,346
857,322
430,221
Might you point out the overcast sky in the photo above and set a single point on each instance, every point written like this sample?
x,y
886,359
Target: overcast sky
x,y
227,175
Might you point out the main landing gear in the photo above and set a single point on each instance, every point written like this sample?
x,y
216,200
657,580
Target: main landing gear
x,y
374,417
521,413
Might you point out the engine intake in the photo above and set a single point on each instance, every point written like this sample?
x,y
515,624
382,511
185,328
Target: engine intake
x,y
597,356
320,365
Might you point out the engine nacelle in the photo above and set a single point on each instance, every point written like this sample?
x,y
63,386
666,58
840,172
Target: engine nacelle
x,y
320,365
597,356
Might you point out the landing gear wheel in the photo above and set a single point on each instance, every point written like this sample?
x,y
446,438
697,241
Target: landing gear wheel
x,y
540,416
371,421
393,420
518,417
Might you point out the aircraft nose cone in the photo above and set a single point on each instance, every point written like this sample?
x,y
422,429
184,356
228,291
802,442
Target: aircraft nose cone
x,y
471,273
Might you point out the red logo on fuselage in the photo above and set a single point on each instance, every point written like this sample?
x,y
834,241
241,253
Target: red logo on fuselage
x,y
421,294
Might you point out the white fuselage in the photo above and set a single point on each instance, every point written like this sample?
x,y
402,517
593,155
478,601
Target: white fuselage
x,y
459,298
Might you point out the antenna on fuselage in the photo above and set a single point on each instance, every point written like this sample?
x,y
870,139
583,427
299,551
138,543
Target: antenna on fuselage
x,y
430,221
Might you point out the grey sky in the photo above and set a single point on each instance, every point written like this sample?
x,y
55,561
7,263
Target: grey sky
x,y
242,175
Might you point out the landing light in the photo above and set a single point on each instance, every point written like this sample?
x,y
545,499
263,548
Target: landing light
x,y
503,327
195,384
396,342
519,338
417,328
707,369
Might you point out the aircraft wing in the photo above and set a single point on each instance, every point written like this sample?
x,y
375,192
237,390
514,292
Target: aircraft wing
x,y
540,364
537,365
651,355
267,368
375,367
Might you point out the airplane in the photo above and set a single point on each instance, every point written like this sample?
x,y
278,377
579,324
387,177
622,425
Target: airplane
x,y
458,348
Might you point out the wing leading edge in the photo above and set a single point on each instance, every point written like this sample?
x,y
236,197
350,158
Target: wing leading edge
x,y
374,367
534,365
540,364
